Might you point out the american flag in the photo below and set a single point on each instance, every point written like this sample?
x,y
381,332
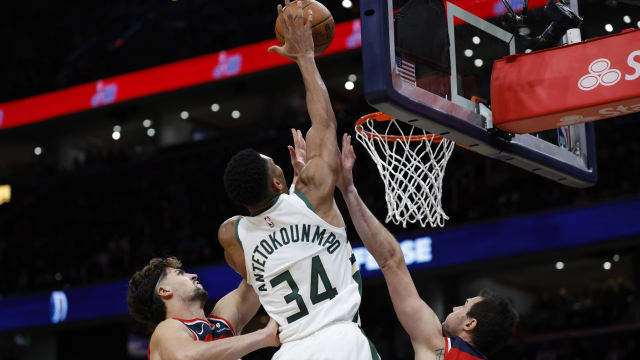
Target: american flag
x,y
406,69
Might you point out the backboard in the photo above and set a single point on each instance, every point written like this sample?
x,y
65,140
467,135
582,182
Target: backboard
x,y
428,63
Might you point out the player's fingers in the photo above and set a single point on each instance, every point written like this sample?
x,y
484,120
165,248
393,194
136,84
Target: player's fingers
x,y
309,20
292,153
351,150
288,15
282,16
300,12
279,50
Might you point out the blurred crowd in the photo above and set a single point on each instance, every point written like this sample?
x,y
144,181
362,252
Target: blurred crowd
x,y
109,215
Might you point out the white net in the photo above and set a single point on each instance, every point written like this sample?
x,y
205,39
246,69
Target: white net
x,y
412,171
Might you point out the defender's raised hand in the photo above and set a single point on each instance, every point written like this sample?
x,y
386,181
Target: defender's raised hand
x,y
298,153
297,33
347,159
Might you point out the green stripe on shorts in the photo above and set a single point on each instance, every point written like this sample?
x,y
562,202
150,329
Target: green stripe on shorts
x,y
374,352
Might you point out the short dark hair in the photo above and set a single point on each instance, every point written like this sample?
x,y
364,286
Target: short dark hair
x,y
496,321
145,305
246,178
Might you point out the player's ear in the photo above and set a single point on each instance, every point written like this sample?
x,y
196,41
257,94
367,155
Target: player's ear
x,y
277,185
164,291
470,324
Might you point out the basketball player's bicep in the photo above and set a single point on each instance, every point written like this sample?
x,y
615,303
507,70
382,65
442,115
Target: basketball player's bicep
x,y
233,252
322,142
317,182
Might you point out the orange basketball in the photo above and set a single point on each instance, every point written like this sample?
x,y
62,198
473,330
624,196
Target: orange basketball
x,y
322,28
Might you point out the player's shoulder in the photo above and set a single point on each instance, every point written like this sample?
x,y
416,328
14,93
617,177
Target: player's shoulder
x,y
231,221
168,327
227,230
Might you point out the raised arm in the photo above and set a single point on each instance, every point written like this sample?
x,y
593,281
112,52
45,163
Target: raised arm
x,y
238,306
172,341
317,179
416,317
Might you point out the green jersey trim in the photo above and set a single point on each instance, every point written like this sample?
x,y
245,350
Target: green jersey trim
x,y
237,234
306,201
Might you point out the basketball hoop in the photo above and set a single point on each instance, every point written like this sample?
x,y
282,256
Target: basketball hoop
x,y
411,166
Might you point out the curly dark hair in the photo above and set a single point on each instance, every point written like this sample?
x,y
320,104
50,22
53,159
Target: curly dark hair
x,y
496,321
145,305
246,178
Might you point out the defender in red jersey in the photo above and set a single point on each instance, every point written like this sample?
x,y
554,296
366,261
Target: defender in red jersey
x,y
477,328
172,302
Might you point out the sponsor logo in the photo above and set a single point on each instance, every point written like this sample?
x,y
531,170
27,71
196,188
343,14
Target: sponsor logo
x,y
58,306
601,73
105,94
269,222
564,140
602,114
228,65
415,251
354,40
201,330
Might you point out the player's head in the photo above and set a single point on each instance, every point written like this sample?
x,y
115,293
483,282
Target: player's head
x,y
251,179
159,282
487,319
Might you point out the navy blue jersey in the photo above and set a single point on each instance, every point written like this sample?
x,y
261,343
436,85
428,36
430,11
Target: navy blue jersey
x,y
213,328
458,349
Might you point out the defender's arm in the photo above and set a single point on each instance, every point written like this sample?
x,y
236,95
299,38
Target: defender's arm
x,y
416,317
173,341
238,306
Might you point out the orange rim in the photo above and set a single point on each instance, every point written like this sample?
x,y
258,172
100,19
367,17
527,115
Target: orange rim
x,y
380,116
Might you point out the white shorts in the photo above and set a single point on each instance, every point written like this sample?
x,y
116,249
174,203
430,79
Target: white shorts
x,y
335,342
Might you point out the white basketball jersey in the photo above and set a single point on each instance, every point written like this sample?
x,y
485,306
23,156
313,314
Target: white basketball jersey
x,y
301,267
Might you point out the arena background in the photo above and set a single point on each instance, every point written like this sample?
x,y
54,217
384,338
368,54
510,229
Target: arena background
x,y
88,207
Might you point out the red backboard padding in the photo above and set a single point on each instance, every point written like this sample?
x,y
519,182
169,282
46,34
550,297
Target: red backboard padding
x,y
567,85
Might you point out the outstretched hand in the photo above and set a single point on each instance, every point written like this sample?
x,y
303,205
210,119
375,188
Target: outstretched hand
x,y
271,333
298,41
347,159
298,153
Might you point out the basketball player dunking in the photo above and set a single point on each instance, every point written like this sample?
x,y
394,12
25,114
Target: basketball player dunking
x,y
478,328
293,248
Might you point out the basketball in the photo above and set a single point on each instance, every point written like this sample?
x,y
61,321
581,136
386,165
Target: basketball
x,y
322,28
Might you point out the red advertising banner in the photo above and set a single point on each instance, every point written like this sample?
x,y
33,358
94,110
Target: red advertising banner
x,y
567,85
199,70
